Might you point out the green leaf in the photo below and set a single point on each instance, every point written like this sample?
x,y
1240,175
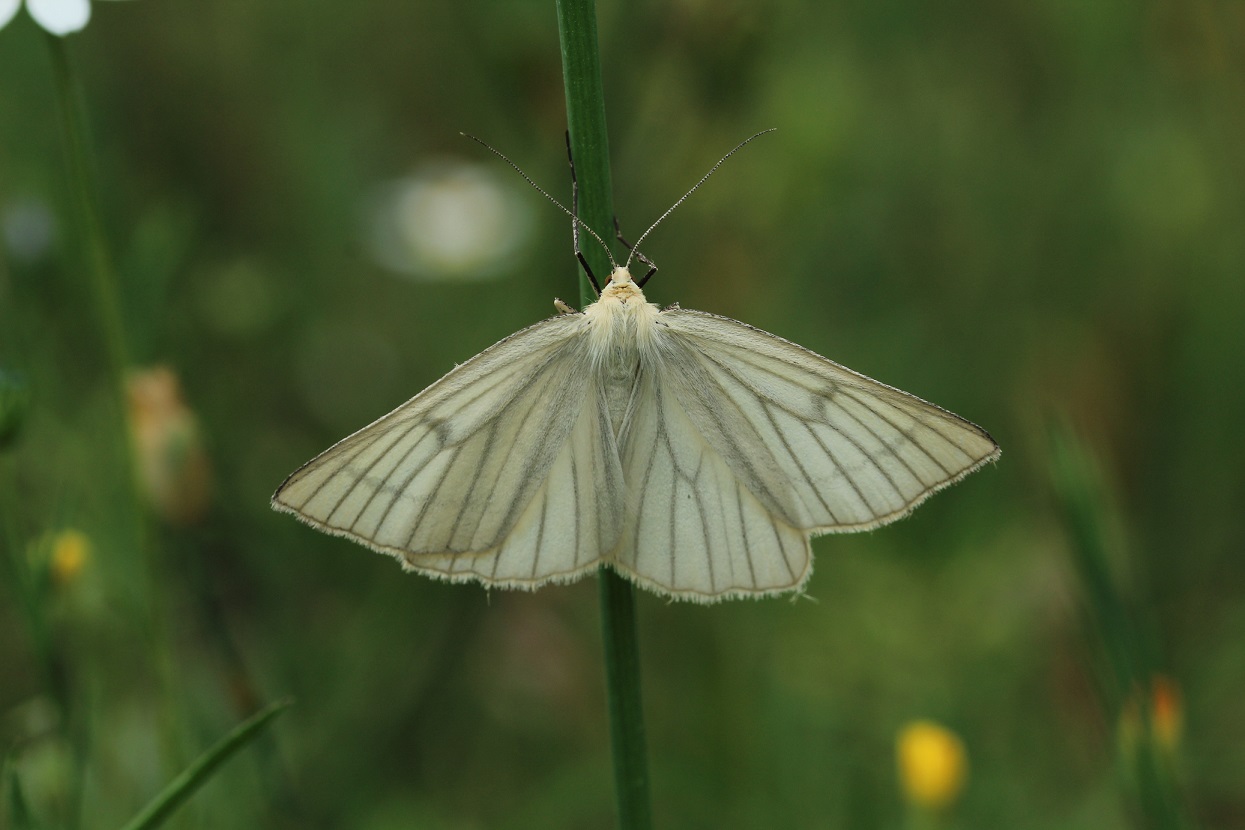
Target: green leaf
x,y
197,774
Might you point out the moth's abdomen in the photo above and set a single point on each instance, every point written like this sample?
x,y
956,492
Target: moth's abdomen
x,y
617,380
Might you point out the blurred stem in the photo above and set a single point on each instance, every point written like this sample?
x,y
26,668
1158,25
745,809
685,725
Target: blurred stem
x,y
921,818
105,296
585,117
32,601
86,206
1149,777
1083,508
21,581
20,816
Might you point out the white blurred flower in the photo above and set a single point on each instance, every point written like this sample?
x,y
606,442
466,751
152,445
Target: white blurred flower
x,y
27,228
449,221
60,17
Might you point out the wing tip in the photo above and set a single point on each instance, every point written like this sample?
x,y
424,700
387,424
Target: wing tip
x,y
990,457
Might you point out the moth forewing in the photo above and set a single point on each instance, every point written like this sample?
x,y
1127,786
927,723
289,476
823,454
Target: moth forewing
x,y
451,470
572,522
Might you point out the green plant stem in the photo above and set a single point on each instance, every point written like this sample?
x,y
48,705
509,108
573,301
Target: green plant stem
x,y
585,121
105,297
20,817
32,600
22,583
86,206
585,117
1083,507
622,674
1083,500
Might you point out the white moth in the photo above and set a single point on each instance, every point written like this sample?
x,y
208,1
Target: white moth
x,y
691,453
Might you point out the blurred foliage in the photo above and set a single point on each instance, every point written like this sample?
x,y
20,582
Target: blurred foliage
x,y
1012,209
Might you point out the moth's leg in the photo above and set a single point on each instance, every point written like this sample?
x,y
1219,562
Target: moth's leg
x,y
652,269
579,255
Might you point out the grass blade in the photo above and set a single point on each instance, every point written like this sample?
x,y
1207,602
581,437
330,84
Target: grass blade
x,y
198,773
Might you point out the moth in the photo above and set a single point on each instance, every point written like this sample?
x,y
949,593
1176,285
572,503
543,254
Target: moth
x,y
691,453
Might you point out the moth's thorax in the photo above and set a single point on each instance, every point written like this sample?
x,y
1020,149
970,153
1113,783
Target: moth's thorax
x,y
621,318
621,328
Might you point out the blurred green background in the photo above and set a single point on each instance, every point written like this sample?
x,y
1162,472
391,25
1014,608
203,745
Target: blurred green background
x,y
1021,211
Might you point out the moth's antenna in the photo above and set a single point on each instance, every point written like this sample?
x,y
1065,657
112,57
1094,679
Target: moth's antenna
x,y
542,192
636,245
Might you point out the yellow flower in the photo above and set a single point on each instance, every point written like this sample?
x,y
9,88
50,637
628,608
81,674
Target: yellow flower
x,y
70,551
932,764
172,465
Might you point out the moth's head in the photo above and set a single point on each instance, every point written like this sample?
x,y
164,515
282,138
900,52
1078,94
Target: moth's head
x,y
621,287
